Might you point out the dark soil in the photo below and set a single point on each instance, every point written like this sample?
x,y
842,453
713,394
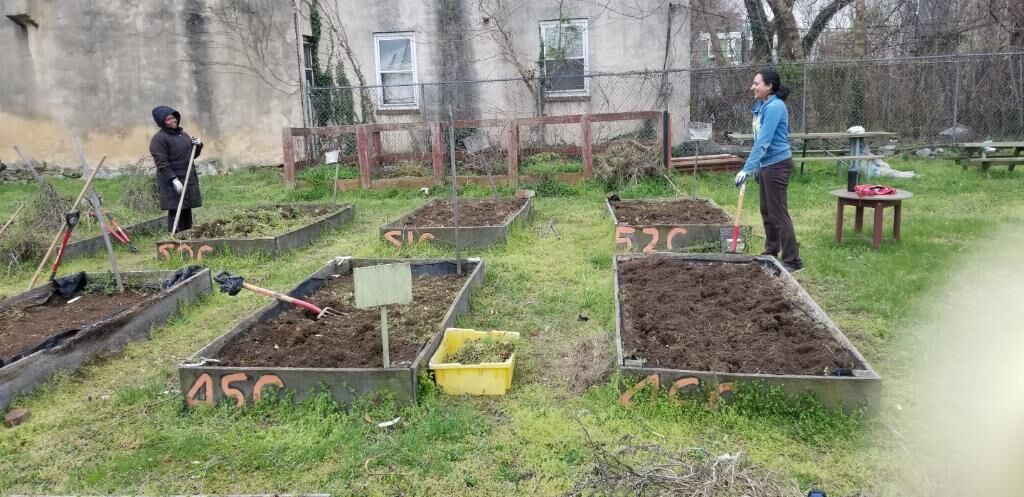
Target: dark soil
x,y
732,318
22,328
472,212
293,339
681,211
259,221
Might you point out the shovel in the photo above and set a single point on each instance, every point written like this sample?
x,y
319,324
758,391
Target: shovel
x,y
736,222
231,285
70,221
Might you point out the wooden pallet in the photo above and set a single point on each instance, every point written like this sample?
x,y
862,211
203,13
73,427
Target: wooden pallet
x,y
708,163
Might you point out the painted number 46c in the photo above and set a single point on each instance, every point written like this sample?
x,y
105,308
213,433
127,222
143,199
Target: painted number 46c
x,y
205,384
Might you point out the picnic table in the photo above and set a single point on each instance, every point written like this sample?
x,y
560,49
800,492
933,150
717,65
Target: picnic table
x,y
1008,153
856,143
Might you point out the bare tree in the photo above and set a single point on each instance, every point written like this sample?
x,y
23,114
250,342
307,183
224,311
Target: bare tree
x,y
338,39
245,37
791,46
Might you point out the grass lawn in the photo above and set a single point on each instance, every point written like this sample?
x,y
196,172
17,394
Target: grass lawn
x,y
117,426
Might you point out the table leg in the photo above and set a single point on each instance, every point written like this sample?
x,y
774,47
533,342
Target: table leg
x,y
839,222
803,154
856,148
876,230
858,224
896,215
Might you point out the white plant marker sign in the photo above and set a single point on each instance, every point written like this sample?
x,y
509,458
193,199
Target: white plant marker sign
x,y
380,286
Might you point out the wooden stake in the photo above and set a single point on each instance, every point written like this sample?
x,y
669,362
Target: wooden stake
x,y
455,190
384,335
56,239
4,229
184,190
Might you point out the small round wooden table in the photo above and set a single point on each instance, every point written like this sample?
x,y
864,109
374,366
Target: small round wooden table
x,y
877,202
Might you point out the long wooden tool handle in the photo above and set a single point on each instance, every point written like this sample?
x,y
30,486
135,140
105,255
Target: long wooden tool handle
x,y
736,222
282,297
11,220
184,191
74,206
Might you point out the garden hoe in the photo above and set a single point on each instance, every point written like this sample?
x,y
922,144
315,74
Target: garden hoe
x,y
231,285
736,222
70,221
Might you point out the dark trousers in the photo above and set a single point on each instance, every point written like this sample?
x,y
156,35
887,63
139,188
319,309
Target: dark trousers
x,y
778,227
183,224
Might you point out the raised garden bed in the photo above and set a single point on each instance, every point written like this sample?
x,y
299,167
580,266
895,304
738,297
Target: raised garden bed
x,y
42,331
482,222
689,319
673,225
280,345
266,229
95,244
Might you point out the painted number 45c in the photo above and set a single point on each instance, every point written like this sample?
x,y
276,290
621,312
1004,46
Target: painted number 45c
x,y
204,384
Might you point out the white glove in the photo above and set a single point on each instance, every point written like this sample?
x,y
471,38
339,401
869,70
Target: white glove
x,y
741,177
196,140
178,187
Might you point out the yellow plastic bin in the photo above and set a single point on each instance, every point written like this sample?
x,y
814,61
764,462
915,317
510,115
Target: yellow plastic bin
x,y
489,378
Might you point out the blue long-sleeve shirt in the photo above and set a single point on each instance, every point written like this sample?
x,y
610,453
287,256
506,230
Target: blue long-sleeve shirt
x,y
771,134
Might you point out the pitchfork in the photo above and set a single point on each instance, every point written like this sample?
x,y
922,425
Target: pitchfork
x,y
231,285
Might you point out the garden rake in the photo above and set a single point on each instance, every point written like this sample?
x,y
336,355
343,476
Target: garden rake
x,y
231,285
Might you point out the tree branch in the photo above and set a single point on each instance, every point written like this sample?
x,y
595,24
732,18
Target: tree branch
x,y
820,22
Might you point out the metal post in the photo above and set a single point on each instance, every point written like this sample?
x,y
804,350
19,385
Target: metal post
x,y
666,146
956,102
803,103
1020,89
455,193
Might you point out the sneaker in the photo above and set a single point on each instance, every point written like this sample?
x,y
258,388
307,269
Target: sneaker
x,y
793,269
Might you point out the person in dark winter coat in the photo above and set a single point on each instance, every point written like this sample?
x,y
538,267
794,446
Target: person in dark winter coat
x,y
171,148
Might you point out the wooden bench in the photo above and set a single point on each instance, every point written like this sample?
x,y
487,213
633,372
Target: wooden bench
x,y
836,158
832,158
985,162
999,150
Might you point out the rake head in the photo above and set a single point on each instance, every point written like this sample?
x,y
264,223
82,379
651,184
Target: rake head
x,y
327,311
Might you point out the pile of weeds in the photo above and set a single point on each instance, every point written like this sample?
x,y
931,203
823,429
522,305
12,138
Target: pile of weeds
x,y
486,349
650,469
626,162
29,235
140,190
257,221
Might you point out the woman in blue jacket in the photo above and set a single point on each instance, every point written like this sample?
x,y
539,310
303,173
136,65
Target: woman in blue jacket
x,y
771,163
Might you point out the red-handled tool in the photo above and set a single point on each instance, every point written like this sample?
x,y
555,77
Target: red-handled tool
x,y
231,285
70,221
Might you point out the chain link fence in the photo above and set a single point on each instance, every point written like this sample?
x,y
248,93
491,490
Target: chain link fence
x,y
925,100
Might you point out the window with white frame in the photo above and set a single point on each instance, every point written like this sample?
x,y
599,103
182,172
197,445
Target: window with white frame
x,y
307,56
564,56
396,69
